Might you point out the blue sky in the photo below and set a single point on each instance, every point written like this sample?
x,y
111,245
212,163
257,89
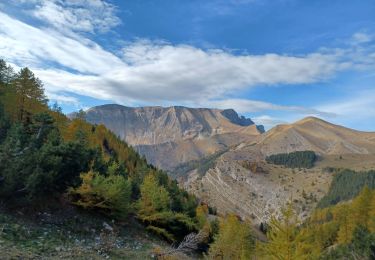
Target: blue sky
x,y
274,61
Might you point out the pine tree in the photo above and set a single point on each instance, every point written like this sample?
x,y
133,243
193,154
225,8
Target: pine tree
x,y
109,194
6,73
30,94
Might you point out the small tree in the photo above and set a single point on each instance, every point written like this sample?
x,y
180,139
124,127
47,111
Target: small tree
x,y
109,194
154,198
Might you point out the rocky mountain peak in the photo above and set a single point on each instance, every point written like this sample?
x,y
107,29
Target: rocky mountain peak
x,y
235,118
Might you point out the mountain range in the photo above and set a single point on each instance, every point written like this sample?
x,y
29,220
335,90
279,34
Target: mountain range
x,y
173,135
220,156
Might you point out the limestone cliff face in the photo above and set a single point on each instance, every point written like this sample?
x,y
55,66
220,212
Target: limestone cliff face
x,y
168,136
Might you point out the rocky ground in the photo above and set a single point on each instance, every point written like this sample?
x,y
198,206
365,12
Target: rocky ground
x,y
70,234
232,187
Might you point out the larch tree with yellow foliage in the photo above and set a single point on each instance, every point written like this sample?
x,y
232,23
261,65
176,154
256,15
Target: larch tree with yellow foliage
x,y
362,207
154,198
282,237
344,215
234,240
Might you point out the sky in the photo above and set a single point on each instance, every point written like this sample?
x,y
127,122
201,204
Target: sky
x,y
275,61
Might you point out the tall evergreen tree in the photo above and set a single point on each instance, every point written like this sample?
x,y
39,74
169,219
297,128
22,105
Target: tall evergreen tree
x,y
30,94
6,73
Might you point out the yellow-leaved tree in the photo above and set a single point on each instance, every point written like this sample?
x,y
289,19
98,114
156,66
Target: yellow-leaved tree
x,y
344,215
371,220
234,240
282,238
362,207
154,197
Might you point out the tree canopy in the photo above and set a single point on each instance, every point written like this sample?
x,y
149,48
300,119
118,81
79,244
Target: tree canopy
x,y
299,159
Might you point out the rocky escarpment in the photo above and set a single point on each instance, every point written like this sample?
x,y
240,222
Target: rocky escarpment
x,y
168,136
231,187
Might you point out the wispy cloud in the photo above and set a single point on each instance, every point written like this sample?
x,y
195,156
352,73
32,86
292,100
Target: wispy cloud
x,y
361,37
359,106
251,106
63,99
268,121
75,15
158,72
164,71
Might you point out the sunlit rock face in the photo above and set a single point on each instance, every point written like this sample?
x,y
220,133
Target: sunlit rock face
x,y
168,136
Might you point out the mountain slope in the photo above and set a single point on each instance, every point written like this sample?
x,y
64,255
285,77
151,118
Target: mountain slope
x,y
317,135
242,181
172,135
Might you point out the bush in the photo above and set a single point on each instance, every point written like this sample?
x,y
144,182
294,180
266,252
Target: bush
x,y
110,195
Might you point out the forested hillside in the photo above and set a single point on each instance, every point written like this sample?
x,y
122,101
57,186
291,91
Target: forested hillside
x,y
347,184
47,159
299,159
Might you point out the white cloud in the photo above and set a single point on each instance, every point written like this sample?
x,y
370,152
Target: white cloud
x,y
74,15
360,105
357,110
166,72
24,44
361,37
159,72
268,121
63,99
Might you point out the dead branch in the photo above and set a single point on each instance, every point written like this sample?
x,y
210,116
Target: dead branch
x,y
189,244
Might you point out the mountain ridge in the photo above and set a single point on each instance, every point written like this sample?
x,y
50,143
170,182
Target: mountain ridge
x,y
176,133
240,180
312,133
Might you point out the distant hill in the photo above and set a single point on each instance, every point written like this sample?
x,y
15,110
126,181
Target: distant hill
x,y
316,135
168,136
241,180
